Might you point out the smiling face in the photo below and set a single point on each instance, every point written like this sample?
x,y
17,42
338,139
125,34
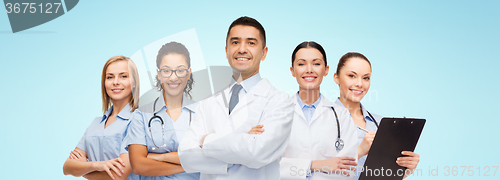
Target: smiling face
x,y
173,86
354,79
244,50
309,68
118,82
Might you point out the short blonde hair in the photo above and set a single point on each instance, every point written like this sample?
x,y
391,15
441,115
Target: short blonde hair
x,y
134,99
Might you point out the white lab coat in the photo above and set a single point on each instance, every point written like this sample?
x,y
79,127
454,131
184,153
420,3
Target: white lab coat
x,y
316,141
229,152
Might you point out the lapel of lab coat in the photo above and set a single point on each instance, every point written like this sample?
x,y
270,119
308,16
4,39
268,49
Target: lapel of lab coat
x,y
223,102
298,109
261,89
320,109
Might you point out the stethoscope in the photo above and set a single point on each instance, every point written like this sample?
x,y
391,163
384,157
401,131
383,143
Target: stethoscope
x,y
339,144
373,119
162,126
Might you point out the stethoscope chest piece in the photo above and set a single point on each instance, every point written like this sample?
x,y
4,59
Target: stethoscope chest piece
x,y
339,144
162,146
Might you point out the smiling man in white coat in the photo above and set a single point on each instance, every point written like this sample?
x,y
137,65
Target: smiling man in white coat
x,y
218,144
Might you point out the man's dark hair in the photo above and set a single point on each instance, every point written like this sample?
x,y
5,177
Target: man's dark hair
x,y
248,21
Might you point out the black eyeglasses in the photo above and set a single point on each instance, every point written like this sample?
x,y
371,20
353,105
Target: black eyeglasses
x,y
166,73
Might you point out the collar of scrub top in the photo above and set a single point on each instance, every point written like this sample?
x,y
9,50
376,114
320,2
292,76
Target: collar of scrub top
x,y
123,115
365,112
187,104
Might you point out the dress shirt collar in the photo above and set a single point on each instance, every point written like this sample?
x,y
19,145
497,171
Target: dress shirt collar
x,y
302,104
247,84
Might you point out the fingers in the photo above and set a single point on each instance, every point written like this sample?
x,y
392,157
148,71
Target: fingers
x,y
121,161
348,162
118,164
72,156
409,165
347,167
258,126
114,166
110,174
77,154
256,130
347,158
409,153
410,161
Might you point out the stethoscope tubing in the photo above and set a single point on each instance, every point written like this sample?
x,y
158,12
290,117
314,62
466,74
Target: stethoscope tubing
x,y
162,125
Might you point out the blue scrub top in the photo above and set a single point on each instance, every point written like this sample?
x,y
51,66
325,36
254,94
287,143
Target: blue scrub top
x,y
173,132
370,126
102,144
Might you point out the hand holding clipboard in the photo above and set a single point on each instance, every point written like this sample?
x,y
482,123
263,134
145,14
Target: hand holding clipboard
x,y
395,136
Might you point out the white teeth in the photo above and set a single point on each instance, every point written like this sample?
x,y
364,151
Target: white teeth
x,y
243,59
309,78
355,91
172,85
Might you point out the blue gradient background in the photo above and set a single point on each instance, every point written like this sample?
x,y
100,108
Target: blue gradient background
x,y
433,60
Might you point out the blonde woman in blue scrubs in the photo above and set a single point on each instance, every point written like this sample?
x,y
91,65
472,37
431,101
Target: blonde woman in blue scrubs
x,y
353,76
153,141
101,153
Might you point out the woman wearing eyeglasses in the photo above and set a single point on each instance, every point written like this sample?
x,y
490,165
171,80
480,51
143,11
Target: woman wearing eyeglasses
x,y
101,153
157,128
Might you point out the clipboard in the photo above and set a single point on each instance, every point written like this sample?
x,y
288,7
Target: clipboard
x,y
393,136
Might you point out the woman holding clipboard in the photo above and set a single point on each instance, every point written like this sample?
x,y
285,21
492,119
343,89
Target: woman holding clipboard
x,y
353,77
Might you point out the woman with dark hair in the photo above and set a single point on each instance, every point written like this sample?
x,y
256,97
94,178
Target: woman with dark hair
x,y
157,128
101,153
322,142
353,76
